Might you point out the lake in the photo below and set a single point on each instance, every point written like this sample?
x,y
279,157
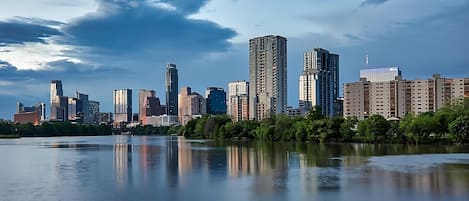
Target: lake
x,y
173,168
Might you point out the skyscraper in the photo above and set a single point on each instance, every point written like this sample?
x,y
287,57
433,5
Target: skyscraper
x,y
216,100
148,105
83,107
171,90
238,100
319,82
268,76
122,99
58,103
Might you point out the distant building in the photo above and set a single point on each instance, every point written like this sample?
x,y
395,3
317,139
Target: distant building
x,y
267,76
27,117
83,107
216,100
319,82
34,114
58,103
74,110
171,90
94,111
190,104
162,120
294,111
122,99
238,100
39,107
105,118
148,104
396,98
381,74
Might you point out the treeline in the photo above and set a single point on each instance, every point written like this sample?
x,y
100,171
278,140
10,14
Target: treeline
x,y
53,129
448,125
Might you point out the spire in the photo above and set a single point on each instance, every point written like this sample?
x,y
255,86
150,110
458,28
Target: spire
x,y
366,59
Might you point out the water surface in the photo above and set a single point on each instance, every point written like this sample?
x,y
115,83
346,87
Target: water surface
x,y
173,168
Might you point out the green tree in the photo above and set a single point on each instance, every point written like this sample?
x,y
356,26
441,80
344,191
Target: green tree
x,y
459,129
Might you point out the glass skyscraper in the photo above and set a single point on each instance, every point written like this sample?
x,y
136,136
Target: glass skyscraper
x,y
171,90
58,103
122,99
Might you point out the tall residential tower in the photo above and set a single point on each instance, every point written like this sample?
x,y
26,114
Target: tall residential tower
x,y
319,82
268,76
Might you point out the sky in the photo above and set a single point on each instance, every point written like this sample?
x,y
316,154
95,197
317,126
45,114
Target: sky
x,y
95,46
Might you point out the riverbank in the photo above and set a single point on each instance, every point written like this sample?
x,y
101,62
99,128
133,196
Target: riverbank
x,y
3,136
449,125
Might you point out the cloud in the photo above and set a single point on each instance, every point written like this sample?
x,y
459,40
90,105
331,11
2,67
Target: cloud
x,y
22,30
372,2
352,37
129,28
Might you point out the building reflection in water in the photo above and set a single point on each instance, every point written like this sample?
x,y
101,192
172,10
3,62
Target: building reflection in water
x,y
172,161
267,164
123,160
149,157
184,158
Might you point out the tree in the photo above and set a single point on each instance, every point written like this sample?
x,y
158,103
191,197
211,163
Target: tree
x,y
315,113
346,129
373,128
459,129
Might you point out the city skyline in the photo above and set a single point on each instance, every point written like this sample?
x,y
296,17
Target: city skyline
x,y
35,48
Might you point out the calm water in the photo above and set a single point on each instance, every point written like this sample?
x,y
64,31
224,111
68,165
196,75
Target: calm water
x,y
172,168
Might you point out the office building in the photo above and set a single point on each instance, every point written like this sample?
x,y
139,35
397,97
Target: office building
x,y
216,100
83,107
238,100
319,81
171,90
58,103
148,104
122,99
267,76
191,105
381,74
396,98
73,110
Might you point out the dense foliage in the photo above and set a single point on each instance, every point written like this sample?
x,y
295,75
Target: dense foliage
x,y
448,125
53,129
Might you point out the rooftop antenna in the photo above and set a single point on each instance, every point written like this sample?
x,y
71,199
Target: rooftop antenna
x,y
366,59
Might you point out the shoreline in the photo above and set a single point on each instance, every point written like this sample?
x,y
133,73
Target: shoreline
x,y
4,136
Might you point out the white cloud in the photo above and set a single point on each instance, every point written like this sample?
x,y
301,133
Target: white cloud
x,y
163,5
34,56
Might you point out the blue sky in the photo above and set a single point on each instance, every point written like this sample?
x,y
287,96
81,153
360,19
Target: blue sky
x,y
96,46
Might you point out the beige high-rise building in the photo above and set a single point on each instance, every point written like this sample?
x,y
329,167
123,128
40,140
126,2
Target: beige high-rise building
x,y
396,98
238,100
267,76
190,105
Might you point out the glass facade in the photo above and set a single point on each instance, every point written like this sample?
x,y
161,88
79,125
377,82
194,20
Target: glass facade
x,y
216,100
171,89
